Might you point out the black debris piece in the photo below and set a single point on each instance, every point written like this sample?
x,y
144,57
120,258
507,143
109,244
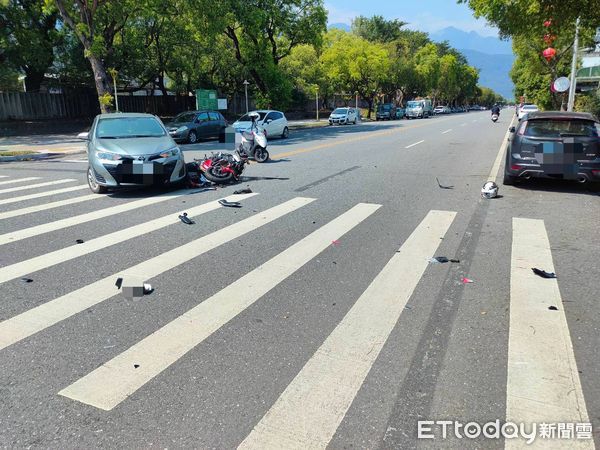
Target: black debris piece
x,y
224,202
553,308
135,366
148,289
442,186
185,219
443,260
79,241
27,280
543,273
243,191
119,283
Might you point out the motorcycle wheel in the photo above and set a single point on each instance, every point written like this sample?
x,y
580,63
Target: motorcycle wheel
x,y
261,155
215,175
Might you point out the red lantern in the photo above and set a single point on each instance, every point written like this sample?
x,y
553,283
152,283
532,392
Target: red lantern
x,y
547,23
549,54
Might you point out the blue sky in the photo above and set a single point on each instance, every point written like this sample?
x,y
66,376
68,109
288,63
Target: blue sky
x,y
424,15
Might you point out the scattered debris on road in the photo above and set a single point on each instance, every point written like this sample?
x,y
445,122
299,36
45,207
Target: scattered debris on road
x,y
489,190
119,282
442,186
553,308
467,281
80,241
148,289
442,260
543,273
27,280
243,191
335,242
224,202
185,219
133,288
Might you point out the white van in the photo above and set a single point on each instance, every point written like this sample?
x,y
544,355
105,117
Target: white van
x,y
419,109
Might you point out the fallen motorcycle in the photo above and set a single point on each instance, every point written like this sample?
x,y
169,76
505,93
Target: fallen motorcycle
x,y
223,168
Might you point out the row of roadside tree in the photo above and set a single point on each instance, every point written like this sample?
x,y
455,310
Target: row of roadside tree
x,y
282,47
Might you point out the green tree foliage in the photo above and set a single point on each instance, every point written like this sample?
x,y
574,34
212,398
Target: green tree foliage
x,y
28,37
377,29
523,21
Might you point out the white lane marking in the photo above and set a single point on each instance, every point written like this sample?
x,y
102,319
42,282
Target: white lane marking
x,y
496,167
114,381
74,160
58,256
543,383
22,198
447,131
34,186
19,180
416,143
308,412
41,317
45,206
25,233
3,176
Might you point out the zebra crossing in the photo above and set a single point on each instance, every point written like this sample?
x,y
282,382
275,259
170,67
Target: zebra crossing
x,y
541,386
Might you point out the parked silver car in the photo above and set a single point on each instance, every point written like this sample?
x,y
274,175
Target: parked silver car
x,y
131,149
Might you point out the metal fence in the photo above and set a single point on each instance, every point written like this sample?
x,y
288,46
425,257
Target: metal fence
x,y
84,104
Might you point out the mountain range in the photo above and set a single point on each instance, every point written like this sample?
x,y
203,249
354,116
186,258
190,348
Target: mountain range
x,y
492,56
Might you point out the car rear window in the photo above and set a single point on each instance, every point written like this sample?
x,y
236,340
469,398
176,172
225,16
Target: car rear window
x,y
127,127
560,128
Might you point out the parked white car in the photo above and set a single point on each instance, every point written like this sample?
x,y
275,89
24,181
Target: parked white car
x,y
343,116
274,123
526,109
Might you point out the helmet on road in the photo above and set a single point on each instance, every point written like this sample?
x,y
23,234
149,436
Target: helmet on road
x,y
489,190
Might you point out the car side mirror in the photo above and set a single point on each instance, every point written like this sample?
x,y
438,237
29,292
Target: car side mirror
x,y
269,121
84,136
512,129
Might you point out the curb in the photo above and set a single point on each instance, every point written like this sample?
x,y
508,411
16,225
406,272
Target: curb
x,y
38,156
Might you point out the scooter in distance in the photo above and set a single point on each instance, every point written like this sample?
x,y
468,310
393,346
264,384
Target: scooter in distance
x,y
254,142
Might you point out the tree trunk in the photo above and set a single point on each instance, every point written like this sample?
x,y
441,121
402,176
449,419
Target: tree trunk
x,y
33,79
103,84
370,101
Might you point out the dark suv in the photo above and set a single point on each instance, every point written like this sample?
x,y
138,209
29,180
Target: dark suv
x,y
556,145
190,126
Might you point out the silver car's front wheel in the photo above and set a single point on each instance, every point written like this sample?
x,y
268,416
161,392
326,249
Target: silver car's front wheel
x,y
93,184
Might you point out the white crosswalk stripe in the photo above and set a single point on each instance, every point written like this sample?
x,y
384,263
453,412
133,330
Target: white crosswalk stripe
x,y
51,205
114,381
543,381
22,198
48,314
35,186
59,256
18,180
87,217
307,414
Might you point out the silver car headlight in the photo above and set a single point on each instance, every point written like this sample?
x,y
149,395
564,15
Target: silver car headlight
x,y
108,156
181,129
171,152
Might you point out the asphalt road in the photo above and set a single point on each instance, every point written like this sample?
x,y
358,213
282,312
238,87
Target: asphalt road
x,y
310,317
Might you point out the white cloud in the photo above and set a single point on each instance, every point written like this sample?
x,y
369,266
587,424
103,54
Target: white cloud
x,y
337,15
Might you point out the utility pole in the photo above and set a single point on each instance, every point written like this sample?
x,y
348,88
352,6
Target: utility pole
x,y
571,103
246,92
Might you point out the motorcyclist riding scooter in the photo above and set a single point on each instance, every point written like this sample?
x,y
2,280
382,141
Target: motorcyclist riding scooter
x,y
254,141
495,113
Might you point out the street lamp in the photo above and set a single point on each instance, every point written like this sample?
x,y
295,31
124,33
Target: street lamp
x,y
317,101
246,92
22,78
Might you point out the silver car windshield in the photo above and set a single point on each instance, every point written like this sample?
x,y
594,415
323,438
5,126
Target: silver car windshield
x,y
340,111
129,127
246,117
